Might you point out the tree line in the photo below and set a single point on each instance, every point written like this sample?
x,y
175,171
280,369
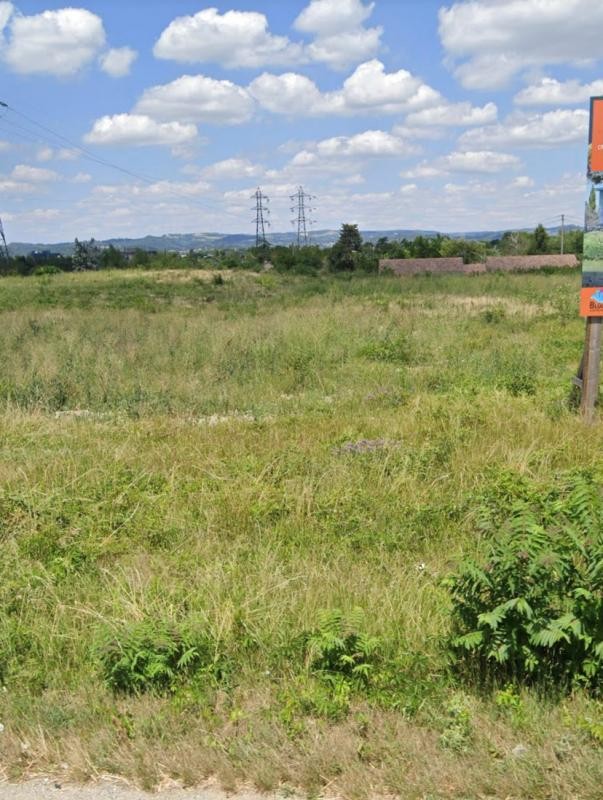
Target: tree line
x,y
350,253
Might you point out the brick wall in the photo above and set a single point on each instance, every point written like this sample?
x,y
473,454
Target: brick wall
x,y
439,266
509,263
419,266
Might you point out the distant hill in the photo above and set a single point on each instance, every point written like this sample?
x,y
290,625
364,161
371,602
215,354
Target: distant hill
x,y
183,242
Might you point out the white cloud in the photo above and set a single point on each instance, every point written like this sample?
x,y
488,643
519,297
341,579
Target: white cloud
x,y
483,161
340,36
460,161
45,154
25,172
499,38
408,188
330,17
243,38
523,182
118,62
58,43
552,129
551,92
196,98
9,186
139,130
367,144
233,39
82,177
423,170
232,168
63,154
459,114
294,95
370,87
348,47
368,90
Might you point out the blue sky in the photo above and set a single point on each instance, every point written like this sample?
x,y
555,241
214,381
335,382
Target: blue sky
x,y
469,115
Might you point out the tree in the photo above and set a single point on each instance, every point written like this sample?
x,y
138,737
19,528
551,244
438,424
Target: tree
x,y
343,253
541,240
112,258
86,255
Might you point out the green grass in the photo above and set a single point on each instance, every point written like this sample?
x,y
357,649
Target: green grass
x,y
180,457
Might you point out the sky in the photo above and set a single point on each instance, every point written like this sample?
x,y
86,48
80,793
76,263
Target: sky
x,y
128,118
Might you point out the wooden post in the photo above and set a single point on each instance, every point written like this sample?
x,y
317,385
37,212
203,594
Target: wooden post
x,y
591,368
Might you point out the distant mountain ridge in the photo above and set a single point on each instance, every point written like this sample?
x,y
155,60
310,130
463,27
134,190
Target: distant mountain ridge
x,y
183,242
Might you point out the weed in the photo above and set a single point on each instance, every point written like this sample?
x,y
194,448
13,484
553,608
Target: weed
x,y
151,656
532,609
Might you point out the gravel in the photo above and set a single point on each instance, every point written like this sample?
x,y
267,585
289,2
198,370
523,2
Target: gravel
x,y
49,789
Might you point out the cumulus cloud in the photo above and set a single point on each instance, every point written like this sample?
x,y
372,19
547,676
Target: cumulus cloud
x,y
25,172
495,40
369,144
244,39
139,130
118,61
485,161
551,92
460,161
551,129
196,98
58,43
459,114
232,168
522,182
233,39
368,90
340,36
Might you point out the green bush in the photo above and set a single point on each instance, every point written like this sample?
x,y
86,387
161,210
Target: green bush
x,y
532,608
338,647
151,657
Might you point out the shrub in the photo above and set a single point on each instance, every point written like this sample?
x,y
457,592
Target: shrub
x,y
151,657
532,609
339,648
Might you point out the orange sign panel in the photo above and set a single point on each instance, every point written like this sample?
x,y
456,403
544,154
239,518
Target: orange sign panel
x,y
596,135
591,302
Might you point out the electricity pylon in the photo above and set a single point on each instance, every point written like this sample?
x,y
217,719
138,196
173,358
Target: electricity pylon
x,y
262,212
302,209
4,246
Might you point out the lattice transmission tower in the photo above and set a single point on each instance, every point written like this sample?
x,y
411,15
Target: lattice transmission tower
x,y
262,214
302,209
3,245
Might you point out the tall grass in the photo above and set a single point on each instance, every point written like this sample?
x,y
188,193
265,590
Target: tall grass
x,y
239,466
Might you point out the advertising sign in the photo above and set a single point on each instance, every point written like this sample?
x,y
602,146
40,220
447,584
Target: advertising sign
x,y
591,295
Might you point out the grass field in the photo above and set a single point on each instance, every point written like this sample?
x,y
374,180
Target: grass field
x,y
237,455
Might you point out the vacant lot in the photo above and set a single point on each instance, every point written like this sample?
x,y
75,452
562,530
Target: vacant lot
x,y
206,468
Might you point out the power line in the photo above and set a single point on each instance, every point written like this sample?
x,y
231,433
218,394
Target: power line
x,y
301,208
91,156
262,212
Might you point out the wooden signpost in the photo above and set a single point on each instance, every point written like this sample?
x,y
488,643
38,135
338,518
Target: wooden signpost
x,y
591,294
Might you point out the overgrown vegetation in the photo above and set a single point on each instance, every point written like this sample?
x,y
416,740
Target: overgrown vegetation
x,y
229,509
532,611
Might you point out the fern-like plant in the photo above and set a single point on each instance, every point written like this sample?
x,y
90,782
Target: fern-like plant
x,y
150,656
339,648
532,608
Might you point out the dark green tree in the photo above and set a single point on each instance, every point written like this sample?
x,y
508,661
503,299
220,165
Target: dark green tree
x,y
541,240
86,255
343,255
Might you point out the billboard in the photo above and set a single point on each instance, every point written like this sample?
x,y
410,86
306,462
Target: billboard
x,y
591,295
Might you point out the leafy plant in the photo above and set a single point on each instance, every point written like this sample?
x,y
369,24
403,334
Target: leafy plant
x,y
151,656
532,608
339,649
